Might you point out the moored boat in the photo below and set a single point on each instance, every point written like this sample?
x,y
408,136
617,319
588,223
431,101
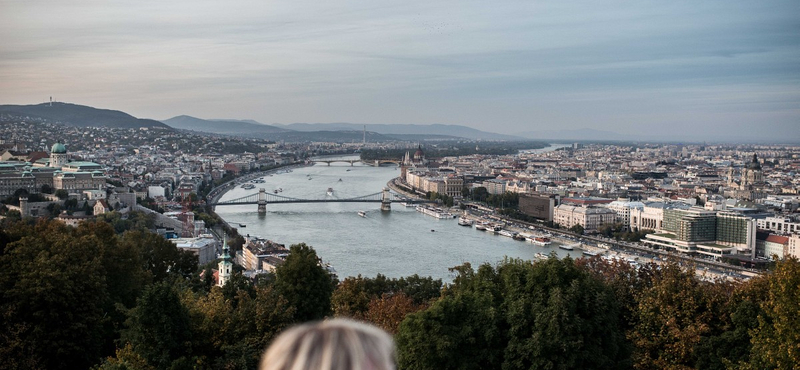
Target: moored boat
x,y
540,240
463,221
507,233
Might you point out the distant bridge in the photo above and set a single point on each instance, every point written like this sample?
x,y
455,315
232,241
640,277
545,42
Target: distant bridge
x,y
374,163
262,198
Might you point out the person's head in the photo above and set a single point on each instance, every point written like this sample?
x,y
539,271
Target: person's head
x,y
336,344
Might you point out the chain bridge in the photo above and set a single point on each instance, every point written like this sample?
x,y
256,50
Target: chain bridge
x,y
262,198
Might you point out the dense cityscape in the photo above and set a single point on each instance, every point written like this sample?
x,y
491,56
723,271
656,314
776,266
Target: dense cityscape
x,y
720,221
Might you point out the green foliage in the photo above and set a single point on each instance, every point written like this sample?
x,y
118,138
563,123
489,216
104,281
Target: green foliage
x,y
577,229
776,340
353,295
305,283
160,256
62,194
672,317
617,231
551,314
447,200
53,294
135,220
158,328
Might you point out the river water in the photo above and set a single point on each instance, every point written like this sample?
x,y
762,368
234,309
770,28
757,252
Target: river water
x,y
398,243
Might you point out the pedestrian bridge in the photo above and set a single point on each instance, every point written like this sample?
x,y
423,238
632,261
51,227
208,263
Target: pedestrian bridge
x,y
262,198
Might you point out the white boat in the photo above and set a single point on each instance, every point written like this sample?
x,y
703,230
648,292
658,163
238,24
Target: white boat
x,y
540,256
507,233
434,212
480,227
463,221
569,247
248,186
330,191
362,213
540,240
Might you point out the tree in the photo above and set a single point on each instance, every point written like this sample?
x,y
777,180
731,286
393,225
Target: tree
x,y
305,283
160,256
158,328
547,315
62,194
776,341
388,311
52,297
577,229
672,317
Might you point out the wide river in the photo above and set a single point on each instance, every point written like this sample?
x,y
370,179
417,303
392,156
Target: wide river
x,y
397,243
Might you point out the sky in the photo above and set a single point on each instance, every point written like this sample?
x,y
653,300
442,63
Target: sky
x,y
700,69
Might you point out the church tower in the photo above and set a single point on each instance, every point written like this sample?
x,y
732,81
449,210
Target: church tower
x,y
226,264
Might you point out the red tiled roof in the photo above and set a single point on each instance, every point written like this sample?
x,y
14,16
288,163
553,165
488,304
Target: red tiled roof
x,y
778,239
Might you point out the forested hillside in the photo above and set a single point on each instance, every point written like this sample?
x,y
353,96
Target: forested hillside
x,y
88,297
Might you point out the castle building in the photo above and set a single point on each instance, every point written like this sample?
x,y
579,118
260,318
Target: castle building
x,y
57,172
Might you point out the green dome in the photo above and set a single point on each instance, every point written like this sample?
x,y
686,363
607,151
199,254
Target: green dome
x,y
58,148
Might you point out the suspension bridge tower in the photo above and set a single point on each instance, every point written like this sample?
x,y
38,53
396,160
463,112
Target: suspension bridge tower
x,y
386,200
262,201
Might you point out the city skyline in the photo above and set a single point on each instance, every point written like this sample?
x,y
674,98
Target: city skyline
x,y
665,69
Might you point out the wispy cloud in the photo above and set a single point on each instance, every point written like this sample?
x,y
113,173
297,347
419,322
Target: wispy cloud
x,y
503,66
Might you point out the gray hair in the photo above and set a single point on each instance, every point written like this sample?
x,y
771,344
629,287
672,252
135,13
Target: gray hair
x,y
336,344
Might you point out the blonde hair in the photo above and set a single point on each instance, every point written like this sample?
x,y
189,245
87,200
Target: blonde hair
x,y
336,344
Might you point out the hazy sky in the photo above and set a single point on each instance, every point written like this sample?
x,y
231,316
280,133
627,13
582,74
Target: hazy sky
x,y
706,67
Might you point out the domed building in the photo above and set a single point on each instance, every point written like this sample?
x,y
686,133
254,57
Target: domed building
x,y
58,155
56,172
752,173
417,160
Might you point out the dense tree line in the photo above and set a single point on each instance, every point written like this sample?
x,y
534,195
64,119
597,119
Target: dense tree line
x,y
113,297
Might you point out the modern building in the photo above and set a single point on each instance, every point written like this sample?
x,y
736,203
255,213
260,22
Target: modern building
x,y
736,229
781,225
540,206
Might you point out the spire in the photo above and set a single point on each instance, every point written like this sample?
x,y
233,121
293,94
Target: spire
x,y
225,264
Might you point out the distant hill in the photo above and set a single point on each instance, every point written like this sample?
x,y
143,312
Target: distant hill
x,y
231,127
336,136
80,115
402,129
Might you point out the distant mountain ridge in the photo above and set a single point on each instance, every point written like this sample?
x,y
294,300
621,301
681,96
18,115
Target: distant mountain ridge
x,y
223,126
402,129
81,115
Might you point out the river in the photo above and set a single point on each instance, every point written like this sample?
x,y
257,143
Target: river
x,y
398,243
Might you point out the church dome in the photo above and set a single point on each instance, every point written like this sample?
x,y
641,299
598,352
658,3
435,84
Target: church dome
x,y
58,148
754,165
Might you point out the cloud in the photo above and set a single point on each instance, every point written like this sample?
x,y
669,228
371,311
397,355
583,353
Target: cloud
x,y
500,66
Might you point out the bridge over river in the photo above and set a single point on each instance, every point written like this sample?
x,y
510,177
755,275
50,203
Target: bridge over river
x,y
374,163
262,198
